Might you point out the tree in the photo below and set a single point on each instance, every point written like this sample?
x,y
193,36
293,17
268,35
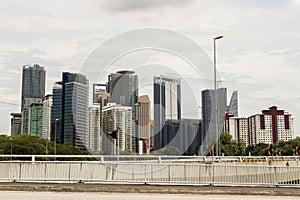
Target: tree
x,y
169,150
230,147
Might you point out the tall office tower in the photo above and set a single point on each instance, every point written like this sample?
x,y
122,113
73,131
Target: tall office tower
x,y
116,117
34,120
33,91
167,105
233,105
143,122
15,124
123,89
209,134
56,112
47,106
70,109
33,85
95,139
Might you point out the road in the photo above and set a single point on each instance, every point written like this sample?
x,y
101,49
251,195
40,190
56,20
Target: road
x,y
11,195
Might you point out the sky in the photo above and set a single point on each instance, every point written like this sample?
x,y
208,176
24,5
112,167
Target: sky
x,y
259,55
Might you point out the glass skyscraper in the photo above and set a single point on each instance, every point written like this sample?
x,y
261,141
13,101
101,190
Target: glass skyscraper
x,y
209,115
33,91
167,106
70,108
33,85
123,89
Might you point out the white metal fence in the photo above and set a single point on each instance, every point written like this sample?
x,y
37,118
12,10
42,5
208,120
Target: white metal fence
x,y
178,173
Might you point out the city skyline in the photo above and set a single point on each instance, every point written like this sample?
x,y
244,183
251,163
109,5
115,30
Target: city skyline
x,y
253,44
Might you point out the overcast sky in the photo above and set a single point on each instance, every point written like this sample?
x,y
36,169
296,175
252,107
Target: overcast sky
x,y
259,55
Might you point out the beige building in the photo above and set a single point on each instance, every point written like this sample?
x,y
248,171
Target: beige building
x,y
143,122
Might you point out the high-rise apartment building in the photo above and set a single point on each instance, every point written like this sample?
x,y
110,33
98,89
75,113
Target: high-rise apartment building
x,y
47,106
15,124
70,108
123,89
167,106
117,118
95,136
269,127
143,121
209,131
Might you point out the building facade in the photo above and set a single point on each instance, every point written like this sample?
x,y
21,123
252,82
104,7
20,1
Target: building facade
x,y
117,117
32,123
123,89
15,124
143,122
269,127
209,131
233,107
95,136
167,106
185,134
70,108
47,106
33,91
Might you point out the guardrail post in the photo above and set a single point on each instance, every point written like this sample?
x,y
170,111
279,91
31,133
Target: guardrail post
x,y
32,158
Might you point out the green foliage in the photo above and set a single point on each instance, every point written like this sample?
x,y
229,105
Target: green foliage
x,y
230,147
169,150
30,145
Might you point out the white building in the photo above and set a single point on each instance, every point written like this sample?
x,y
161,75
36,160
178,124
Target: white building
x,y
95,139
116,117
47,107
269,127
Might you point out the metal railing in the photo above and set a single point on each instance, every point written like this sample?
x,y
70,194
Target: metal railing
x,y
159,169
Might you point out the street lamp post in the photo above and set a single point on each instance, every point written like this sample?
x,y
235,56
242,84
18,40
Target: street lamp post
x,y
216,100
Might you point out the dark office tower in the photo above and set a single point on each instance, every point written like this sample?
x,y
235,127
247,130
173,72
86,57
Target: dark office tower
x,y
72,98
15,124
233,105
209,115
33,85
56,112
123,89
167,106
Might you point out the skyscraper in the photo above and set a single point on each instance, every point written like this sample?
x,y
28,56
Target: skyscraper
x,y
117,117
33,91
70,107
167,105
209,134
56,112
233,105
47,105
95,139
33,85
143,121
123,89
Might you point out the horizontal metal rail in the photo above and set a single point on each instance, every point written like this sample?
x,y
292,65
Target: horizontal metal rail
x,y
138,172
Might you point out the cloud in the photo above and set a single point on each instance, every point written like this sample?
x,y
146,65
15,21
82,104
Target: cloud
x,y
133,5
